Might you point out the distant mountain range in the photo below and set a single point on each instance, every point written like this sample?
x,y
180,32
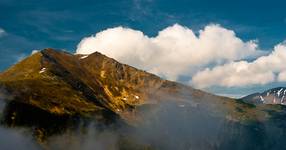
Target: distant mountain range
x,y
52,92
272,96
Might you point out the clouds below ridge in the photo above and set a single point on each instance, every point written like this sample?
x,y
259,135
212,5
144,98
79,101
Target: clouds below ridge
x,y
178,51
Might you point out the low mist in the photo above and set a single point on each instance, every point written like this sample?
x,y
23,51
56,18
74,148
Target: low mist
x,y
170,124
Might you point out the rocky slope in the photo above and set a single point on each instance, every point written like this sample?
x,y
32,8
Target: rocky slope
x,y
64,84
52,90
272,96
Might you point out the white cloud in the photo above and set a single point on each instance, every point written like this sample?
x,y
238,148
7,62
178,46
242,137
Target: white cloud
x,y
175,51
282,76
2,32
263,70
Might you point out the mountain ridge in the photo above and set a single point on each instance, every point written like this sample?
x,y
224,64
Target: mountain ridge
x,y
99,81
70,89
270,96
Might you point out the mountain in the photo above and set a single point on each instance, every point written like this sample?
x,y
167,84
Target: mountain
x,y
54,93
64,84
272,96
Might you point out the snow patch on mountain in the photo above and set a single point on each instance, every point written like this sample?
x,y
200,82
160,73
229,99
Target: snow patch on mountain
x,y
272,96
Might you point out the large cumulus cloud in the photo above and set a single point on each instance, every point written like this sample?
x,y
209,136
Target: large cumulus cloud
x,y
175,51
214,56
263,70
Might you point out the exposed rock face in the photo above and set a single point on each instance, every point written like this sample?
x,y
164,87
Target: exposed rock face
x,y
66,89
272,96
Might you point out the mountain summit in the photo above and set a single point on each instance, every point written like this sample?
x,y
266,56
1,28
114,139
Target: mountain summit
x,y
53,90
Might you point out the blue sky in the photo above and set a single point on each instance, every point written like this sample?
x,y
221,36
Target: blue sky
x,y
32,24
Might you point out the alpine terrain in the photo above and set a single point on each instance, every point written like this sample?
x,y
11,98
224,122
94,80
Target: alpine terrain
x,y
59,99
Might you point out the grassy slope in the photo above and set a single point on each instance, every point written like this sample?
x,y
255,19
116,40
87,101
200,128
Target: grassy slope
x,y
71,85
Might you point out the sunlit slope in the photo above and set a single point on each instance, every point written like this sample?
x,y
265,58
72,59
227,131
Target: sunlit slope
x,y
65,84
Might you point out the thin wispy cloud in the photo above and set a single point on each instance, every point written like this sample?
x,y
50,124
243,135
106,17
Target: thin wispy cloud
x,y
2,32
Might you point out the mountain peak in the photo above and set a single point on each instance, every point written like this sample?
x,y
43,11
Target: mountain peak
x,y
66,84
272,96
